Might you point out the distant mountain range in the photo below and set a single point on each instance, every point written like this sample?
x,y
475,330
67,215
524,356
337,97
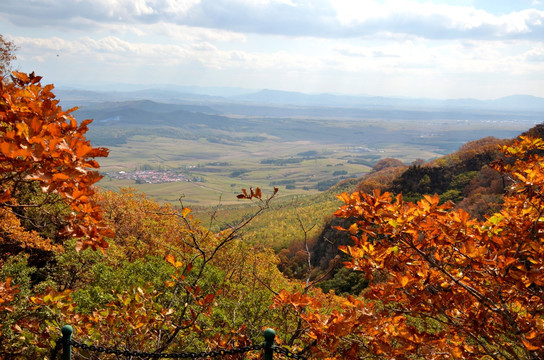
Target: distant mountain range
x,y
515,102
185,95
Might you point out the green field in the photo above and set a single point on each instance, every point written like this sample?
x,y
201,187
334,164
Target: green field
x,y
221,154
221,170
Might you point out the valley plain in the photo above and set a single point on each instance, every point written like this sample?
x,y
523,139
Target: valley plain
x,y
221,145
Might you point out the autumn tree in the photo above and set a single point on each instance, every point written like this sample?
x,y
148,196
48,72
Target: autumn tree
x,y
387,163
166,284
381,177
47,198
454,287
47,171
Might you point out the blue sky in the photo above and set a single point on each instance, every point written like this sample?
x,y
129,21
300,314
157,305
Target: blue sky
x,y
437,49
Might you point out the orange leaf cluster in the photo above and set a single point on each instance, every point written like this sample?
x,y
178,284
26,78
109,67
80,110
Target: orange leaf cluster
x,y
15,236
257,194
40,142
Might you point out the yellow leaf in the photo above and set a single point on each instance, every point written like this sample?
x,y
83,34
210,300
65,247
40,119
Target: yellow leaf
x,y
344,197
353,229
457,352
22,129
171,259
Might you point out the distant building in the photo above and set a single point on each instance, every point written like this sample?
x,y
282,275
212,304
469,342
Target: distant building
x,y
150,176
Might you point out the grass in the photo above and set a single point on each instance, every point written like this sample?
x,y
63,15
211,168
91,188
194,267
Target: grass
x,y
197,158
225,161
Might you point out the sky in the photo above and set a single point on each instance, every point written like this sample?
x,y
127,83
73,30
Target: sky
x,y
482,49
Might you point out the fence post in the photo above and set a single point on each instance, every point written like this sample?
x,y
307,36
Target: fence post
x,y
66,345
269,335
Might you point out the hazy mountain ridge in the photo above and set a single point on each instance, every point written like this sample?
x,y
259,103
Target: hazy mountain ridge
x,y
514,102
518,103
371,125
91,106
150,113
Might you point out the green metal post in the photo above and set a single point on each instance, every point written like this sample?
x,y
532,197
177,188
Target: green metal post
x,y
66,346
269,335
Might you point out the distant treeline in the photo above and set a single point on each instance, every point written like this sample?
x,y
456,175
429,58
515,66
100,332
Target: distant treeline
x,y
292,160
117,136
282,182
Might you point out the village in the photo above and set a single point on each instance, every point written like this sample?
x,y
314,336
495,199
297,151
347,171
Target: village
x,y
150,176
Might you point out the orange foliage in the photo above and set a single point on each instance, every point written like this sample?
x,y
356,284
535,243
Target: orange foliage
x,y
381,179
382,175
387,163
7,295
41,143
143,227
142,317
456,287
472,152
15,238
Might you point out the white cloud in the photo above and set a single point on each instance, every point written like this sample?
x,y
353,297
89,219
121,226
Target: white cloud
x,y
339,45
318,18
436,21
403,58
184,33
535,55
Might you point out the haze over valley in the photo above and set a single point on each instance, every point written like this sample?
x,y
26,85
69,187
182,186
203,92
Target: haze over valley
x,y
218,144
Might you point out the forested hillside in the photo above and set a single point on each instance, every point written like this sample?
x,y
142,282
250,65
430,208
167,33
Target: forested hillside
x,y
464,177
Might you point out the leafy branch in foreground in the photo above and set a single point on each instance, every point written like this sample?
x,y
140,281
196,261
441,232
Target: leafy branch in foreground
x,y
47,163
455,287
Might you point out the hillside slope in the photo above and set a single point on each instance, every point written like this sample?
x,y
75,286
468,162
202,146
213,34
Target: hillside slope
x,y
463,177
